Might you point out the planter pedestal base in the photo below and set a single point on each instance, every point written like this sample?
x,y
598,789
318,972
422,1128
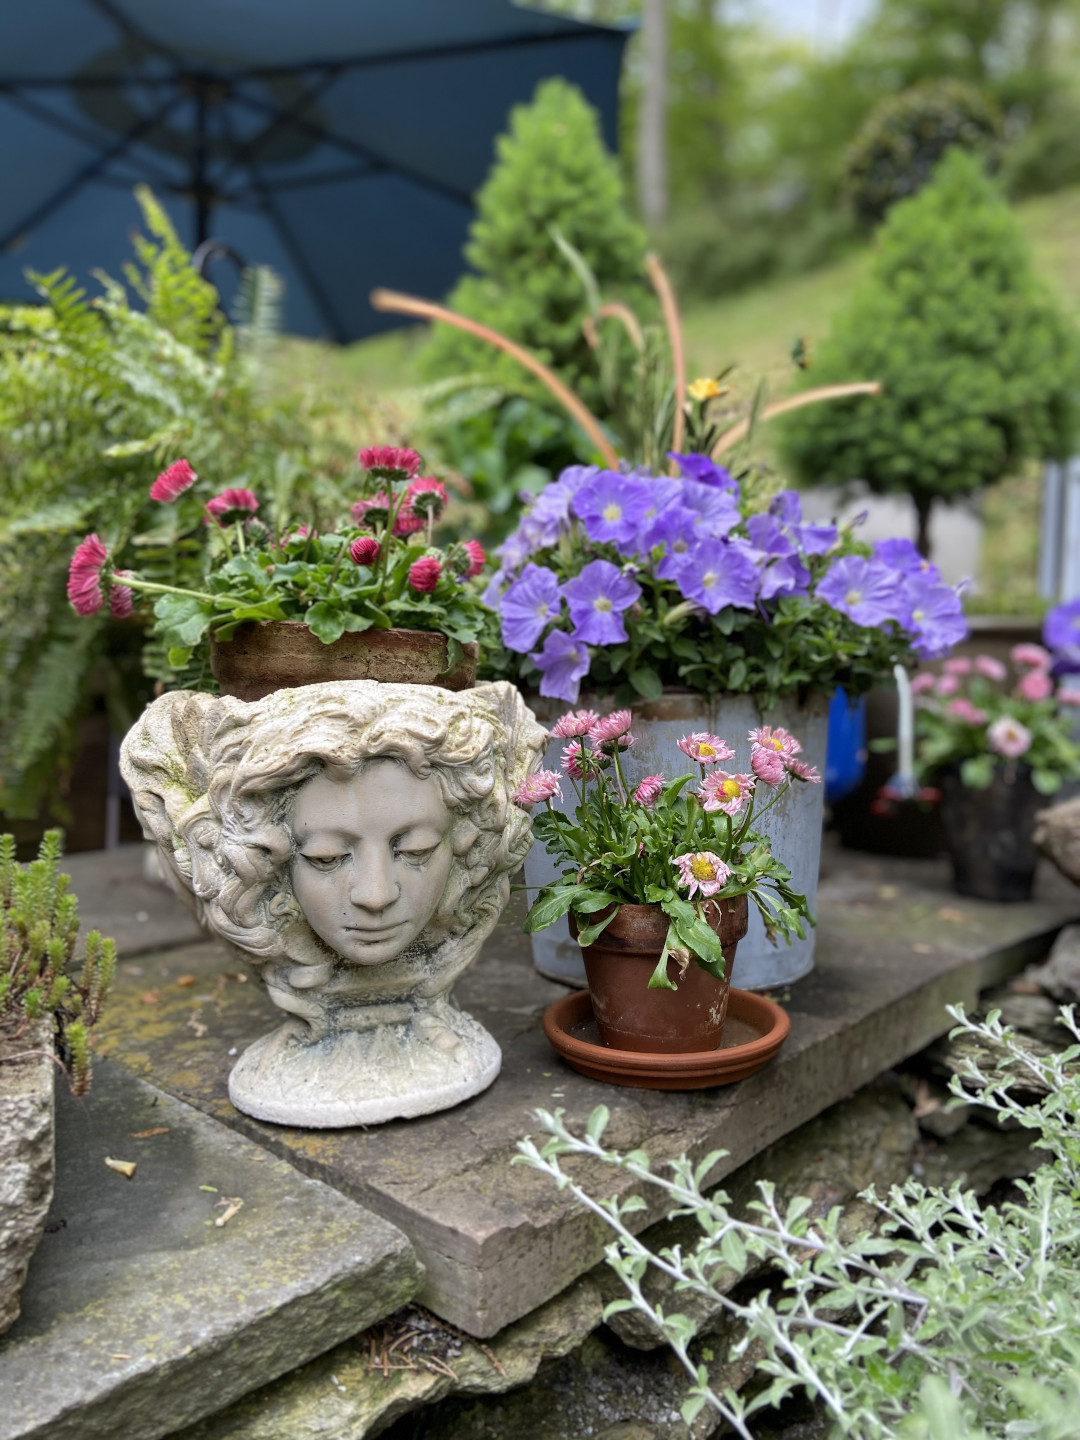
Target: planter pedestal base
x,y
429,1062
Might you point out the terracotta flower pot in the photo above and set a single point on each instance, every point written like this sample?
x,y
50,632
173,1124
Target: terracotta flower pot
x,y
283,654
620,961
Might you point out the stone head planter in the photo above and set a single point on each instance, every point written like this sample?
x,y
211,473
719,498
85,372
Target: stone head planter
x,y
355,841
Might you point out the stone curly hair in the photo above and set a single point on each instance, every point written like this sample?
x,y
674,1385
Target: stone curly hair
x,y
214,781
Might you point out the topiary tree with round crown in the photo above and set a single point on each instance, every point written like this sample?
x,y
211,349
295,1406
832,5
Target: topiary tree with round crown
x,y
979,367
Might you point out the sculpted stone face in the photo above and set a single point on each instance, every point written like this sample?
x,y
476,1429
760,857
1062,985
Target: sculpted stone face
x,y
373,855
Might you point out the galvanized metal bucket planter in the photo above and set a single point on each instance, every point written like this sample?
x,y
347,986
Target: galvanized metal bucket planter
x,y
793,825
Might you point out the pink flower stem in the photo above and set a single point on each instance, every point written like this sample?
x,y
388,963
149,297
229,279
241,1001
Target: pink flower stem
x,y
240,536
152,587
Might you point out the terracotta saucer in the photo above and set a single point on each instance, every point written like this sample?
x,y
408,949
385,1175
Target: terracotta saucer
x,y
753,1032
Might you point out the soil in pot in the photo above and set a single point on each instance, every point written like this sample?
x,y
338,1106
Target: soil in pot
x,y
284,654
26,1155
989,834
620,962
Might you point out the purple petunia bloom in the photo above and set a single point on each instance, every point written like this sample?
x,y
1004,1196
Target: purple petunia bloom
x,y
1061,634
867,591
664,495
527,607
563,662
902,555
597,597
719,573
610,507
787,507
705,472
784,575
767,535
933,611
676,530
717,511
815,537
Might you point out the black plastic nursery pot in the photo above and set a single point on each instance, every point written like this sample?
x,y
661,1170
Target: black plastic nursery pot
x,y
989,833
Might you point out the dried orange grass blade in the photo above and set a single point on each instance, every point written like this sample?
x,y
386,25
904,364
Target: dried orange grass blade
x,y
393,302
662,285
795,402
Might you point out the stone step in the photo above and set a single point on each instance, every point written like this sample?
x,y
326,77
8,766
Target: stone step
x,y
142,1311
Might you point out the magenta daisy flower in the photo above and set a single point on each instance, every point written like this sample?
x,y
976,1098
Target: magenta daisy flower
x,y
648,792
802,771
364,550
232,505
477,558
729,793
538,787
121,599
84,576
172,483
424,574
574,724
571,760
701,872
705,748
390,462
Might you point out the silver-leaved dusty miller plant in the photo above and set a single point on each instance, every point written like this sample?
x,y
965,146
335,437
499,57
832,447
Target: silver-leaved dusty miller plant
x,y
952,1320
354,840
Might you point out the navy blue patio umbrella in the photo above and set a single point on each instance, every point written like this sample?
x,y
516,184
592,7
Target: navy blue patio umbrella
x,y
339,141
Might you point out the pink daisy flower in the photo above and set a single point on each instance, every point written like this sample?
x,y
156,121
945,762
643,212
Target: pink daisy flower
x,y
478,557
172,483
701,872
571,760
947,685
960,665
1035,685
537,788
426,496
729,793
990,668
1009,738
774,738
768,765
922,683
574,724
962,709
1034,655
648,792
610,727
364,550
390,462
706,749
232,505
802,771
84,576
425,574
373,510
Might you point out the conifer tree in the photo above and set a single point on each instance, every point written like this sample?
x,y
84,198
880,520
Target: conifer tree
x,y
978,364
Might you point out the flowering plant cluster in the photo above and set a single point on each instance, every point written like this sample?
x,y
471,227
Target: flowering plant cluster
x,y
970,716
379,568
680,844
639,581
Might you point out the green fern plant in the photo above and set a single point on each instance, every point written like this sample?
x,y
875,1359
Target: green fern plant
x,y
97,395
39,927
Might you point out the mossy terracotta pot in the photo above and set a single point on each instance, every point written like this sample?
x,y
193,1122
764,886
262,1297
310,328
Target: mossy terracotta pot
x,y
264,656
620,962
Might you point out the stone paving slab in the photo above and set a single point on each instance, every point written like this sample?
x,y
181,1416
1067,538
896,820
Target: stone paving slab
x,y
116,898
140,1313
895,945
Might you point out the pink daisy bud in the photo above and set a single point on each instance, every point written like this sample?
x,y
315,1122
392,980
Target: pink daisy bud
x,y
706,749
232,505
962,709
84,576
478,557
407,522
424,574
426,496
767,765
121,599
1035,685
721,791
538,787
172,483
922,683
958,666
990,668
648,792
610,727
571,760
1034,655
390,462
1008,737
365,550
802,771
574,724
703,871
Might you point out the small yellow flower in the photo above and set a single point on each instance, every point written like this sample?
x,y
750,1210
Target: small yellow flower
x,y
704,389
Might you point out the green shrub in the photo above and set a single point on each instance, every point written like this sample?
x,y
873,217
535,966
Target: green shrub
x,y
950,1319
39,925
978,365
901,142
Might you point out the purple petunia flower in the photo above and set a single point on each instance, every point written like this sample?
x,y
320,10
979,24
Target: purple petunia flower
x,y
597,598
933,611
676,530
719,573
767,535
717,511
664,495
815,537
787,507
1061,634
705,472
784,575
611,506
527,607
867,591
902,555
563,662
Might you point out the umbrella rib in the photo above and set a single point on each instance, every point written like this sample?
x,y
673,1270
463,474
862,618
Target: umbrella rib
x,y
352,147
86,173
65,126
322,300
127,27
245,151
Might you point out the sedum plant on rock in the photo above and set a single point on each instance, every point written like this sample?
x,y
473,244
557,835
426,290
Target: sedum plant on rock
x,y
950,1319
39,926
